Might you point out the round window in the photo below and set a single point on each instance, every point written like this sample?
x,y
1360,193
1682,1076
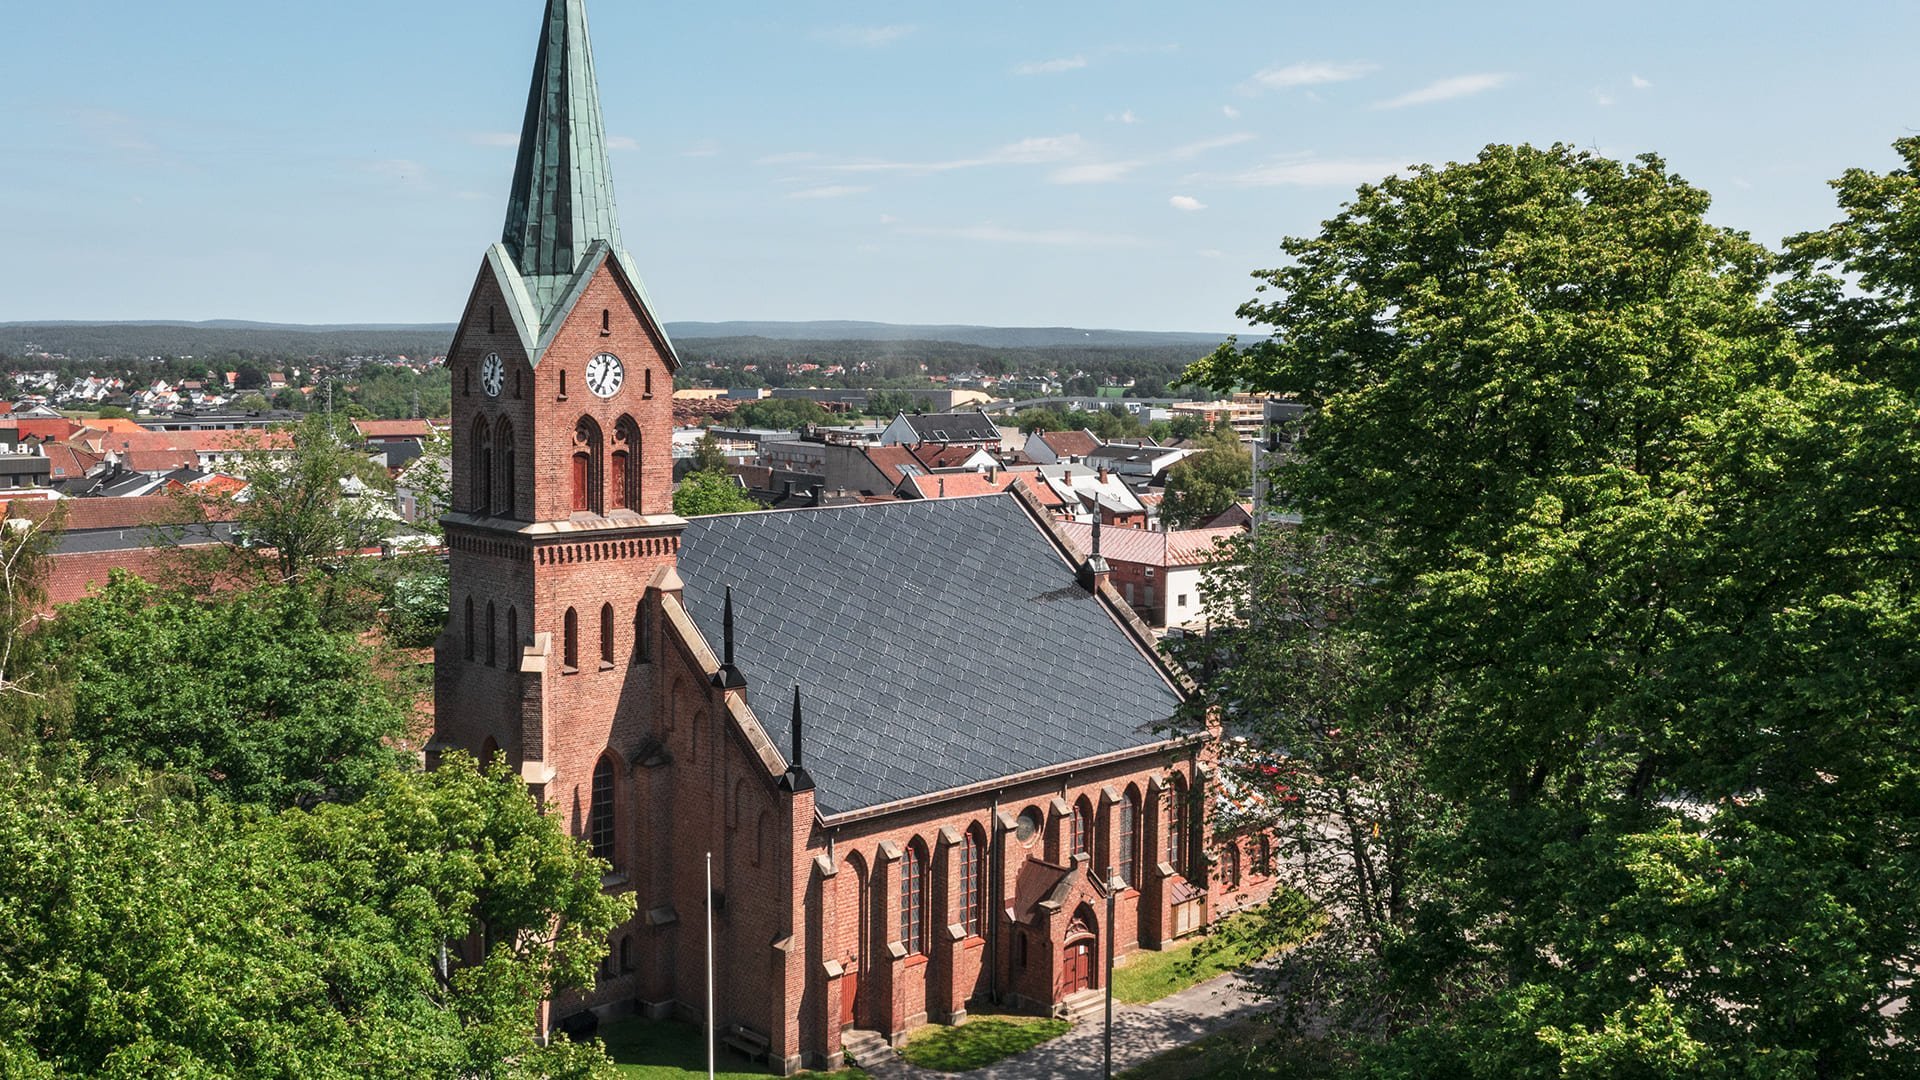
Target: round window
x,y
1028,826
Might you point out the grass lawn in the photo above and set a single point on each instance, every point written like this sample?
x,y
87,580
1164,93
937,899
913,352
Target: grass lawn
x,y
662,1050
1233,944
982,1040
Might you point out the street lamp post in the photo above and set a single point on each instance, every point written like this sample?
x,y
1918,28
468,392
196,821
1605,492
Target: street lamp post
x,y
1113,889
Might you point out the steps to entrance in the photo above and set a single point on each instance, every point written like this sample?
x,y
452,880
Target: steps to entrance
x,y
1087,1006
867,1048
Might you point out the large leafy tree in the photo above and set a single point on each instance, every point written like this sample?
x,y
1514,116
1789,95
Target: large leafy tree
x,y
1209,483
703,493
148,936
1647,579
246,693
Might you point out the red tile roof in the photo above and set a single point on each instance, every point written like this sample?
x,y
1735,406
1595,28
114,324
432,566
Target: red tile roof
x,y
1145,547
89,514
1070,443
393,429
46,427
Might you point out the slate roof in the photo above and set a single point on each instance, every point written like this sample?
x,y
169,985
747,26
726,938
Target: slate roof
x,y
972,426
938,643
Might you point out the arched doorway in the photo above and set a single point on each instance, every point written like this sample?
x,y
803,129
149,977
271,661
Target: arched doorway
x,y
1079,963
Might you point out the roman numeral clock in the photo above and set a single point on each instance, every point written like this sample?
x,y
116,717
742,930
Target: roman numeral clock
x,y
605,374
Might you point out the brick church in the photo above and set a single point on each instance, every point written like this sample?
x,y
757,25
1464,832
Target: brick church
x,y
921,741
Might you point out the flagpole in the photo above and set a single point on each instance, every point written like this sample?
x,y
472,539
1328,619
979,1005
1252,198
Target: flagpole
x,y
710,1042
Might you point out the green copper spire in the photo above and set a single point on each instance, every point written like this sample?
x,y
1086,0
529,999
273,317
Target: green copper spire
x,y
562,198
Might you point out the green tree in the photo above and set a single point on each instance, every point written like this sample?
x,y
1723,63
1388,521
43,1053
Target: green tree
x,y
703,493
290,400
1601,495
150,936
1207,484
313,501
888,404
708,457
251,403
782,414
1036,419
114,412
246,693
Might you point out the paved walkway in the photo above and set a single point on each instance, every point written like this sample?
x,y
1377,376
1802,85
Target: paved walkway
x,y
1140,1032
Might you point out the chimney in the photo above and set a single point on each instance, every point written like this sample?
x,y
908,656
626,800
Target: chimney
x,y
1095,569
728,677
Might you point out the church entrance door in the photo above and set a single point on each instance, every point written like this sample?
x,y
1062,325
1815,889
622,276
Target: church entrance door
x,y
1079,972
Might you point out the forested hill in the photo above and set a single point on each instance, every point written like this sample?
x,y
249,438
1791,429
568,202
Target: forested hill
x,y
848,341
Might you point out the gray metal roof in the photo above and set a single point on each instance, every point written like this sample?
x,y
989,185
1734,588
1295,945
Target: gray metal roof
x,y
938,643
972,426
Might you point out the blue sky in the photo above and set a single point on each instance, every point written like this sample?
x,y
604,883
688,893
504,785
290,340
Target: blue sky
x,y
1119,164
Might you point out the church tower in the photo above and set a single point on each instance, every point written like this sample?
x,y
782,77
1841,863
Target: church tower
x,y
561,531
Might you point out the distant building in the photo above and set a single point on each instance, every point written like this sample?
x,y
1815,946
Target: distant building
x,y
960,428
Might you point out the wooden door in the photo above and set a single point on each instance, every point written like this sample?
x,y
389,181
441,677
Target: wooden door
x,y
1079,973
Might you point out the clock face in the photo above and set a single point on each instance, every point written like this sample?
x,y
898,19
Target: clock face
x,y
493,374
604,375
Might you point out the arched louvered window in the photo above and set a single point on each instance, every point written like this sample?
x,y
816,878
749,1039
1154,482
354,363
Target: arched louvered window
x,y
626,464
589,490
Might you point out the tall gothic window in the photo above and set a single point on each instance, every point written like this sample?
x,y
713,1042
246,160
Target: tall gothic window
x,y
480,467
1177,825
606,634
626,464
509,460
588,489
1233,865
570,641
1129,833
642,644
973,873
1263,855
1082,828
600,816
913,900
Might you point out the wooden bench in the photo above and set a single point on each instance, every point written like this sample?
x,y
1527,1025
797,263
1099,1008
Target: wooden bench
x,y
747,1041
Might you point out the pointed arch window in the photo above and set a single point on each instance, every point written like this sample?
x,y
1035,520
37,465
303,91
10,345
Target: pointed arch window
x,y
600,815
1177,825
642,639
1127,843
589,490
493,644
973,874
480,467
570,641
913,899
508,457
1082,835
606,635
1232,872
626,464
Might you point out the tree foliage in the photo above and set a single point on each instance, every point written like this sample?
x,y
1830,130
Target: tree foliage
x,y
1208,484
703,493
783,414
151,936
1644,570
248,694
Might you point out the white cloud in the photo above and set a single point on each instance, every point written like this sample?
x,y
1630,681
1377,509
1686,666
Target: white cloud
x,y
622,142
830,191
1052,67
703,148
1098,172
1229,112
864,37
1312,73
995,234
1125,117
1448,89
1312,172
1187,203
1044,150
1641,84
889,219
494,138
1602,98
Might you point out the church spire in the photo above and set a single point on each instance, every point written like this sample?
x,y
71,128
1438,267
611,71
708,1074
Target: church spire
x,y
562,199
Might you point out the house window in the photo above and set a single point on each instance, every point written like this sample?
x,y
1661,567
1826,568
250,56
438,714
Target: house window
x,y
1183,599
600,816
606,635
570,637
913,900
1082,835
973,868
1129,831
